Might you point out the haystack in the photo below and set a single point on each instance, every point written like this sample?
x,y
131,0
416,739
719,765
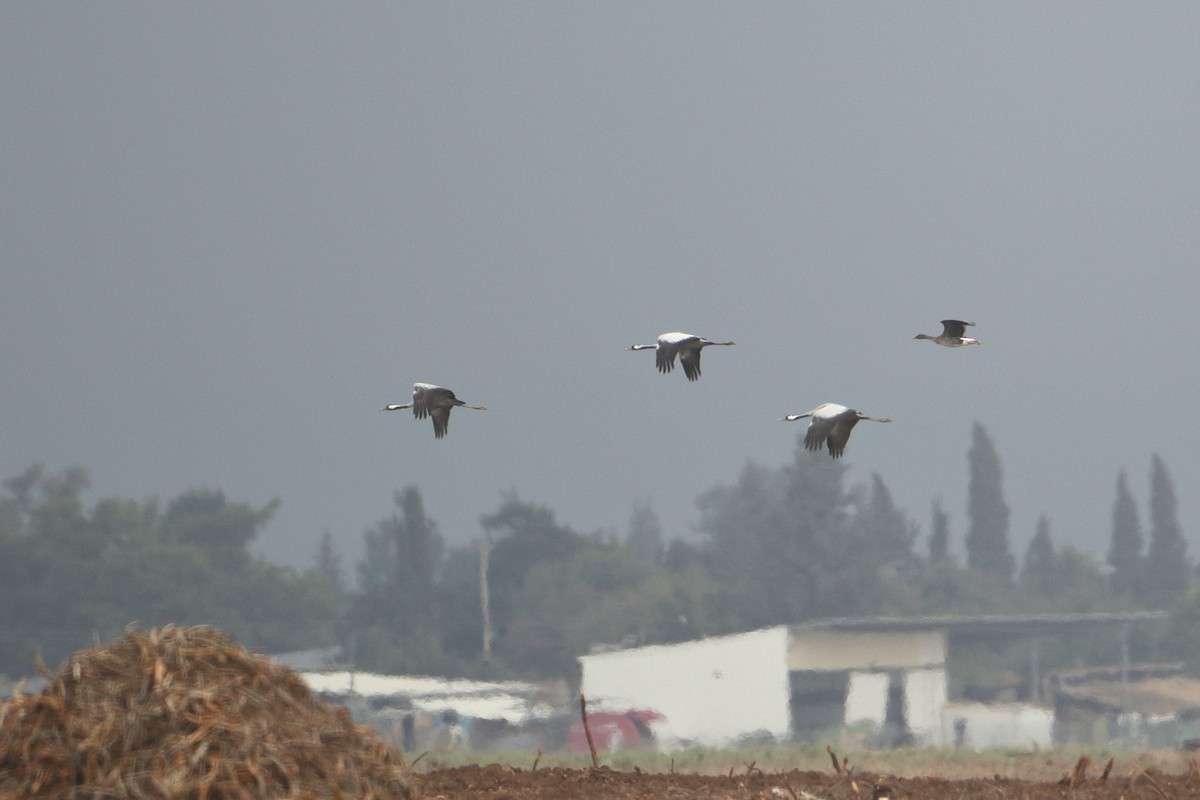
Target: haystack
x,y
186,712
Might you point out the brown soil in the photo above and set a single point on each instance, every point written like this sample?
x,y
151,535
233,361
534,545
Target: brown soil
x,y
187,713
495,782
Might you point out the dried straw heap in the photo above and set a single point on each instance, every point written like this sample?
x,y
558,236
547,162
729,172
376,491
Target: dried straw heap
x,y
186,712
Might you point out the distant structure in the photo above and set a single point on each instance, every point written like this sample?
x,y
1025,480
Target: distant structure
x,y
685,345
884,681
831,424
432,401
953,334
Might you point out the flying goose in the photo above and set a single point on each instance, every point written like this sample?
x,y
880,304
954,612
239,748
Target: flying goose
x,y
830,423
432,401
952,334
685,345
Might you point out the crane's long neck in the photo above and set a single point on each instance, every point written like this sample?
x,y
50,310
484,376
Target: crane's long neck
x,y
644,347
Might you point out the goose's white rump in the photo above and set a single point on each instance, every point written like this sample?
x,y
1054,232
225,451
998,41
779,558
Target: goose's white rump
x,y
953,334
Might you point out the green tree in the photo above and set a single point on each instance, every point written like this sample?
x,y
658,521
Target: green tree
x,y
878,527
395,614
945,587
939,535
791,544
763,540
1079,585
22,489
645,532
1038,575
554,617
1181,634
524,535
1125,549
419,548
69,575
461,613
881,525
1168,571
987,535
204,519
605,594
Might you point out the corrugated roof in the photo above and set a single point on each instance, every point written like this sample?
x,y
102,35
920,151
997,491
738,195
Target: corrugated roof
x,y
517,702
1160,696
984,624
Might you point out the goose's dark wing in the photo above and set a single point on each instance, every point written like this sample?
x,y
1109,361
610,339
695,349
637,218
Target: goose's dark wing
x,y
955,327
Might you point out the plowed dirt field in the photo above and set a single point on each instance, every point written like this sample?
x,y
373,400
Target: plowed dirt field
x,y
496,782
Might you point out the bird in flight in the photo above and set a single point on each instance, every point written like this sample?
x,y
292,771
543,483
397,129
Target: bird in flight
x,y
684,345
831,424
953,334
432,401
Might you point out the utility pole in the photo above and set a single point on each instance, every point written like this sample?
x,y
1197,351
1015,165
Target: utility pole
x,y
1123,634
485,551
1035,670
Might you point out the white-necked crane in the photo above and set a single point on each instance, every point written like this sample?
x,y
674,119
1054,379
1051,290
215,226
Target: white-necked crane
x,y
831,424
953,334
432,401
685,345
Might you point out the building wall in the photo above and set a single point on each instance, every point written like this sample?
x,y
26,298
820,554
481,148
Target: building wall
x,y
711,691
834,651
998,725
925,693
866,698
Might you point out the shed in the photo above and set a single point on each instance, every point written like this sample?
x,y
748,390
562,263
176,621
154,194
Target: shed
x,y
882,677
412,710
1155,705
709,691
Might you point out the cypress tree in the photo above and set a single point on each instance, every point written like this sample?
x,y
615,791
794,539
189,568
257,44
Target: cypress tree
x,y
1038,573
418,549
1167,570
987,535
939,535
645,537
1125,551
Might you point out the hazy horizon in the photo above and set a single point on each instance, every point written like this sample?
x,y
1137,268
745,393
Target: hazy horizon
x,y
233,232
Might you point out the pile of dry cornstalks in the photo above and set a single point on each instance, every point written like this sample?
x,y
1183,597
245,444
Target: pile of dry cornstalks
x,y
186,712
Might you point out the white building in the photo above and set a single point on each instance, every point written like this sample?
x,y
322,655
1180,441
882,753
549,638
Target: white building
x,y
776,682
884,678
414,710
710,691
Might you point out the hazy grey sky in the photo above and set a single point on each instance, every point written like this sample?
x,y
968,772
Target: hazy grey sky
x,y
230,232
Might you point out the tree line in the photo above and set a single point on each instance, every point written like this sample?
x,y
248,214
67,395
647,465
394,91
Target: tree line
x,y
780,545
